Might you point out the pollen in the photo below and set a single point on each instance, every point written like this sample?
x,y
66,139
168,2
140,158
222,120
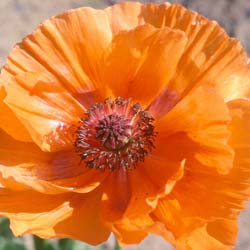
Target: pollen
x,y
115,134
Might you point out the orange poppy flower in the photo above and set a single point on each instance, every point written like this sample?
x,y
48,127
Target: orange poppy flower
x,y
132,120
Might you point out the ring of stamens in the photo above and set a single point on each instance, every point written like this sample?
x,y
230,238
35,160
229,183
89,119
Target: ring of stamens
x,y
114,135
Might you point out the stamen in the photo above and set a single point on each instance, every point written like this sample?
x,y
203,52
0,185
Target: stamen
x,y
115,135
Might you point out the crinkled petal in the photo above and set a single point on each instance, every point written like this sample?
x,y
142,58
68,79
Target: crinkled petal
x,y
127,195
222,196
163,173
116,196
142,189
218,234
32,212
130,195
85,223
144,68
210,57
9,121
132,231
240,138
66,49
24,166
194,232
57,66
50,216
197,128
125,16
43,113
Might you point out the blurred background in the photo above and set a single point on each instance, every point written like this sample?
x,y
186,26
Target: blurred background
x,y
20,17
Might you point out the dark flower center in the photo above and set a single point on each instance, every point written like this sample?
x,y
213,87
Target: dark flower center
x,y
114,131
115,135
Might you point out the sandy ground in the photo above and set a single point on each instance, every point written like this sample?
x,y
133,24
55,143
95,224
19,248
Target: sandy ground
x,y
20,17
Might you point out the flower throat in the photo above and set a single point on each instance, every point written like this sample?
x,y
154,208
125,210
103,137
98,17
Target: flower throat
x,y
115,135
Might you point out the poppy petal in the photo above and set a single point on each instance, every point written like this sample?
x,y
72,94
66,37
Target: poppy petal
x,y
223,196
163,173
43,111
30,217
142,188
131,231
66,49
85,222
146,68
116,196
127,196
65,215
131,201
9,121
190,231
224,230
201,239
124,16
24,166
240,139
210,57
197,127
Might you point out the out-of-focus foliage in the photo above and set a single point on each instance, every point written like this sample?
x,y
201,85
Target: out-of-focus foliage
x,y
7,240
